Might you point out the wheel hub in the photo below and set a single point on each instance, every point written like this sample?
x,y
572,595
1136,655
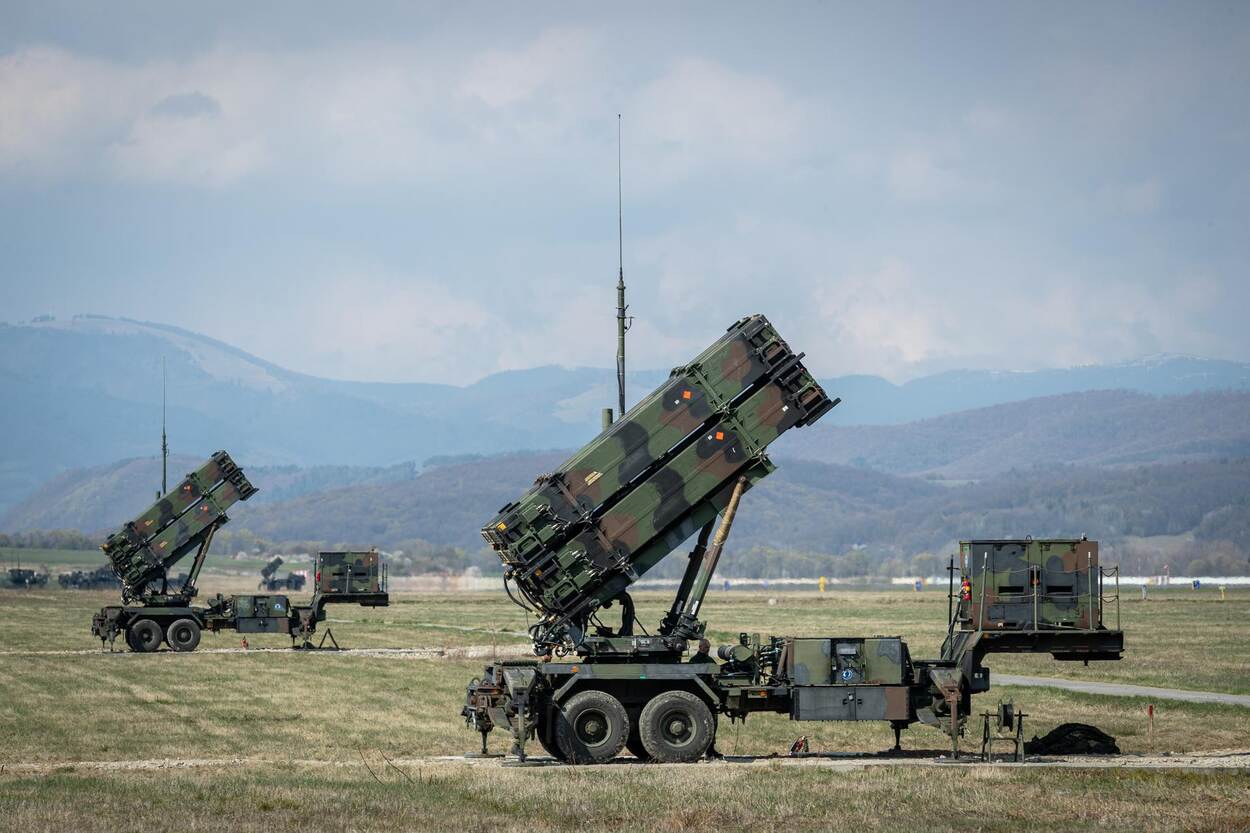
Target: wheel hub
x,y
678,728
592,728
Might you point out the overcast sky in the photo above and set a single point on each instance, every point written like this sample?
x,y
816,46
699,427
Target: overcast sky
x,y
376,192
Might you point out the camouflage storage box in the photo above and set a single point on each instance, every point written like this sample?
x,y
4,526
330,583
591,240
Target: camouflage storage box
x,y
349,573
878,660
262,614
848,678
1030,584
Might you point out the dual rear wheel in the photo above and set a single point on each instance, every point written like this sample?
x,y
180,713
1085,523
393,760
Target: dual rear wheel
x,y
592,727
145,635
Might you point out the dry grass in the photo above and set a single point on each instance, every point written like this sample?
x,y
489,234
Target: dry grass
x,y
694,798
283,710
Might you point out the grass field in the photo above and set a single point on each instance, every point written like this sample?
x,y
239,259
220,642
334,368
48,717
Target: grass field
x,y
278,739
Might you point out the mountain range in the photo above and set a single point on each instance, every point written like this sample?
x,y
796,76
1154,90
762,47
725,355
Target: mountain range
x,y
87,392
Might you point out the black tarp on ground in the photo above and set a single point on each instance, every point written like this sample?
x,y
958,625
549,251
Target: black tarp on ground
x,y
1073,739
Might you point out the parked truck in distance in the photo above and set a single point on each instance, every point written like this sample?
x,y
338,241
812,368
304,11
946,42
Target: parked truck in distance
x,y
156,609
25,578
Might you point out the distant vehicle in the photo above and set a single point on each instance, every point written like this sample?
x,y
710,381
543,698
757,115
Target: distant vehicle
x,y
24,577
156,610
270,581
101,578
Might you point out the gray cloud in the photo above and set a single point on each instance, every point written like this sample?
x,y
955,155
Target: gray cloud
x,y
905,190
186,106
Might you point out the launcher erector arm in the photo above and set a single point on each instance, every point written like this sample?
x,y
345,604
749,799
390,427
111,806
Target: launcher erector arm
x,y
694,583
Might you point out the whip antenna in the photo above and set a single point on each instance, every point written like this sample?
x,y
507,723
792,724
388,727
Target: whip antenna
x,y
164,437
622,322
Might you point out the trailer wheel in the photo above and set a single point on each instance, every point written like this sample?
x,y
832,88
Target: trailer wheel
x,y
676,727
634,743
145,636
591,728
547,740
183,635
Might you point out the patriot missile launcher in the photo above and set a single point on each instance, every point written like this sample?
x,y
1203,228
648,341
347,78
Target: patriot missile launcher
x,y
664,470
272,582
185,519
683,455
157,609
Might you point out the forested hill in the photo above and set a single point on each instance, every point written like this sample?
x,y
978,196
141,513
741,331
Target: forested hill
x,y
86,392
815,518
1098,428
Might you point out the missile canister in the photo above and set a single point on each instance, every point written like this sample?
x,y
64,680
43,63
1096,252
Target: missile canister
x,y
142,550
635,492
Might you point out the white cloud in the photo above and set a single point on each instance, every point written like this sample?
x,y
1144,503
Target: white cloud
x,y
914,175
558,58
53,103
376,112
702,114
889,221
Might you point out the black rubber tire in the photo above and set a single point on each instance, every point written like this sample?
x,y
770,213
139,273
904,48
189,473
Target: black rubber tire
x,y
145,636
183,635
546,739
676,727
634,742
592,728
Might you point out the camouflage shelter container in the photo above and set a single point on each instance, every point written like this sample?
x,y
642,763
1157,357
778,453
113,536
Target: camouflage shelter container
x,y
349,572
1030,584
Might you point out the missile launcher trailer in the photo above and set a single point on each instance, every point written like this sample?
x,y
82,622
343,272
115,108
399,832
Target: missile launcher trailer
x,y
684,454
271,582
156,609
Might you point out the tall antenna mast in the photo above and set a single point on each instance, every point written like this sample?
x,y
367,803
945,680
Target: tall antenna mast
x,y
164,438
621,323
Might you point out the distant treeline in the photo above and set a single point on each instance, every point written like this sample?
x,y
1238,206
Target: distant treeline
x,y
1135,556
50,539
808,519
